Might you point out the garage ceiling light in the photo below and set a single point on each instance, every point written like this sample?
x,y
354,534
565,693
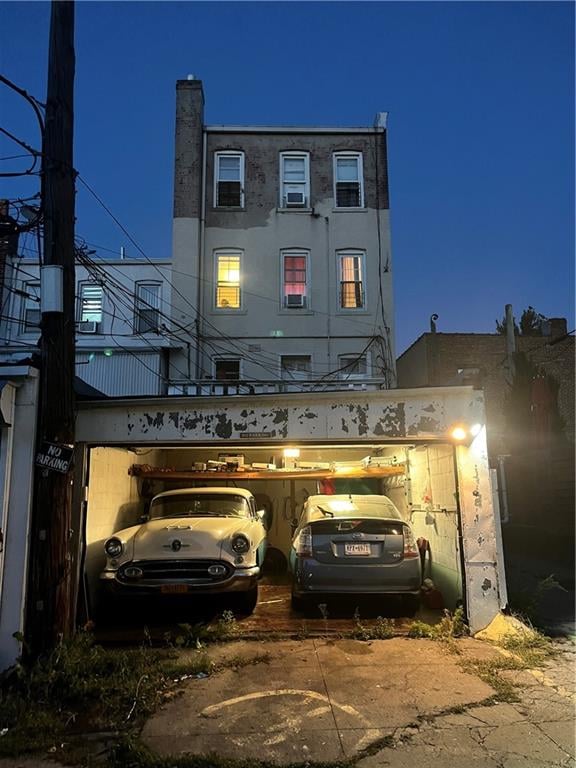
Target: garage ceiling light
x,y
291,453
459,433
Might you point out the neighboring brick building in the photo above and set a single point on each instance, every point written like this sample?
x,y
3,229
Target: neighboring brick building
x,y
539,457
443,359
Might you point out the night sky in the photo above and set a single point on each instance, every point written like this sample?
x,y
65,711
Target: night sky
x,y
481,128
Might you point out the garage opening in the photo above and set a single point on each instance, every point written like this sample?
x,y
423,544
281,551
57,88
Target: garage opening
x,y
419,479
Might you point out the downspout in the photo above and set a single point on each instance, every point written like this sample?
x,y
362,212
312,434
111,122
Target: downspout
x,y
503,490
201,238
329,283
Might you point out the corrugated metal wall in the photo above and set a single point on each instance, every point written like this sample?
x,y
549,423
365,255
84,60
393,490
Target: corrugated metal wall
x,y
122,373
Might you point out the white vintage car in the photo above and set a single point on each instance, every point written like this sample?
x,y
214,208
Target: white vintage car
x,y
193,541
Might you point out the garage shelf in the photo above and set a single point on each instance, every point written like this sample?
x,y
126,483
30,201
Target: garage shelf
x,y
153,473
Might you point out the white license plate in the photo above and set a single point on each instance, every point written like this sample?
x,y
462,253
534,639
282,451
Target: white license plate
x,y
357,549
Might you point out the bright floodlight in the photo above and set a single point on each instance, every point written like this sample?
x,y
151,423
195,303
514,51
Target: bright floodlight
x,y
458,433
291,453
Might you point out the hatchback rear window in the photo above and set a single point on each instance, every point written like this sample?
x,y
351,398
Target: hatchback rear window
x,y
330,526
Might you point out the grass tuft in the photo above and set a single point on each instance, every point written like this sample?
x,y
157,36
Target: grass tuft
x,y
382,629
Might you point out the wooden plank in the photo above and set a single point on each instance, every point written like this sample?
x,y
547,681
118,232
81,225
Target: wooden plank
x,y
278,474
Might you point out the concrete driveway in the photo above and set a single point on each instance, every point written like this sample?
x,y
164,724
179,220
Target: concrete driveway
x,y
398,702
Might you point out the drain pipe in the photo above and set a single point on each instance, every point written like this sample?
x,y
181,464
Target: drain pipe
x,y
503,488
201,260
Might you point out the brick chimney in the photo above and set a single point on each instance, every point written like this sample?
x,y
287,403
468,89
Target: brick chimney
x,y
554,326
188,148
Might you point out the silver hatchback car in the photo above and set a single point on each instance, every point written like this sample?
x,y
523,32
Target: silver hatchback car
x,y
353,544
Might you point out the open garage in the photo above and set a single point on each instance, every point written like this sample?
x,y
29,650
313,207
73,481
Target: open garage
x,y
283,450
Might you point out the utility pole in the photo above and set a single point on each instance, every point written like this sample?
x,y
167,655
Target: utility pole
x,y
50,614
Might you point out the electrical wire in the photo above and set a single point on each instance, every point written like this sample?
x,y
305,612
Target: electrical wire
x,y
133,241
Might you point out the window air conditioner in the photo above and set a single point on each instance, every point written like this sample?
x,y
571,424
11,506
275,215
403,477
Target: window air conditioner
x,y
87,326
293,300
295,199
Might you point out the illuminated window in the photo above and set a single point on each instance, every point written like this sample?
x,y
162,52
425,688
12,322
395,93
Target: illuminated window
x,y
294,274
90,300
351,280
228,280
348,180
229,180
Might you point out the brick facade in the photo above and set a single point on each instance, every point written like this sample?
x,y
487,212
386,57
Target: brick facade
x,y
539,462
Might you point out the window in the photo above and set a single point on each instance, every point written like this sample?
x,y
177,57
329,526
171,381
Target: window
x,y
351,281
147,307
352,366
348,178
294,279
90,309
227,280
229,180
294,180
227,370
295,366
31,314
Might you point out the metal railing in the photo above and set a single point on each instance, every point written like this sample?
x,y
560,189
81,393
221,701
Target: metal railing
x,y
216,387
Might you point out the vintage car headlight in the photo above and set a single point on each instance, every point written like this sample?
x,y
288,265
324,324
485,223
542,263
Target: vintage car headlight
x,y
113,547
240,544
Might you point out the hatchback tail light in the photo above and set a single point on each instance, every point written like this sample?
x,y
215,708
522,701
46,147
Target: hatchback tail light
x,y
303,542
410,547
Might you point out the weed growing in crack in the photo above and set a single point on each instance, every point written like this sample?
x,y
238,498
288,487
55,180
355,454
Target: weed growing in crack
x,y
382,629
198,635
450,626
531,646
303,633
419,629
489,670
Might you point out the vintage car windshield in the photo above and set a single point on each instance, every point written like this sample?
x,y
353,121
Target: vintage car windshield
x,y
199,505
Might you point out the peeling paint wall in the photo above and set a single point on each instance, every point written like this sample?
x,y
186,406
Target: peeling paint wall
x,y
479,533
392,414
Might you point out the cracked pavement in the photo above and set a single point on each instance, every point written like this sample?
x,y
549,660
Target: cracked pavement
x,y
399,702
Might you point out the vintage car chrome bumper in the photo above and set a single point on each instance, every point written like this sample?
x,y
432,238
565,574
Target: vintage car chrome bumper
x,y
156,581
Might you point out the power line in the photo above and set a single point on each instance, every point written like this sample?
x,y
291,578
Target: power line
x,y
133,241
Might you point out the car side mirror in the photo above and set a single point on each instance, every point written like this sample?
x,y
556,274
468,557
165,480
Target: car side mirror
x,y
293,525
261,514
143,519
